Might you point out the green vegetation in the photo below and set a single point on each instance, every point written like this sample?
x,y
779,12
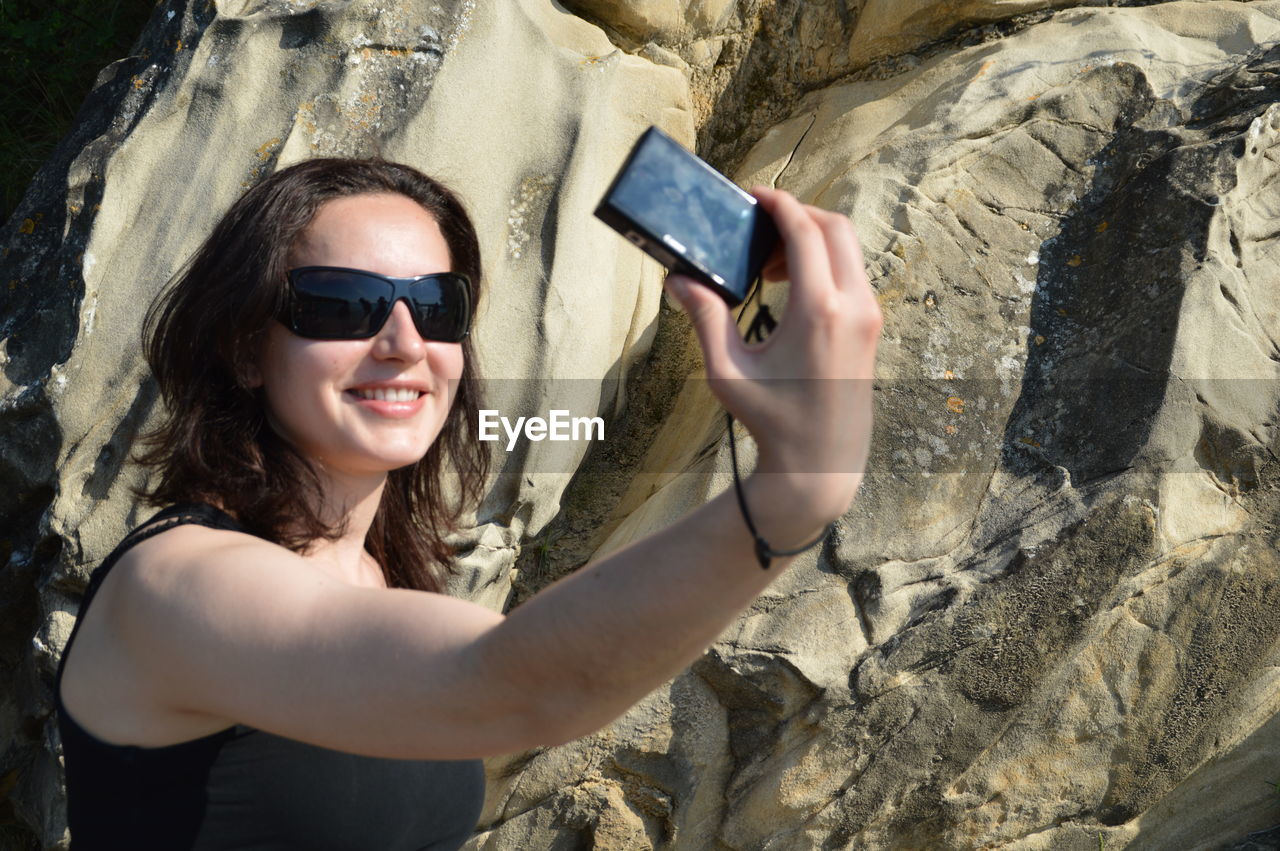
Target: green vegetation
x,y
50,53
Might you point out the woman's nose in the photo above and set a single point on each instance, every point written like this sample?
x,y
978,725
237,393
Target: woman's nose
x,y
399,338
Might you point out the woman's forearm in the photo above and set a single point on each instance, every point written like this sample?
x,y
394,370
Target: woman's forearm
x,y
578,654
581,652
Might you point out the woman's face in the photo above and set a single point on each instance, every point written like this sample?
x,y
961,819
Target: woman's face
x,y
322,395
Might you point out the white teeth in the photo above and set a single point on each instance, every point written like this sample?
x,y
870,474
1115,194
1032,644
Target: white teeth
x,y
384,394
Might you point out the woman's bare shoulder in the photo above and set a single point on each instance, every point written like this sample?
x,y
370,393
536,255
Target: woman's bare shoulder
x,y
215,625
192,546
107,685
173,583
224,555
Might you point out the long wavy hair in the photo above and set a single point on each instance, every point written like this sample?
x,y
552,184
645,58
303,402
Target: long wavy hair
x,y
203,336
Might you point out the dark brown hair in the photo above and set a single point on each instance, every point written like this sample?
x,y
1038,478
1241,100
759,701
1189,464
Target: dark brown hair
x,y
204,335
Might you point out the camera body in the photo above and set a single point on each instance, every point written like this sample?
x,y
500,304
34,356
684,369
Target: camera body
x,y
689,217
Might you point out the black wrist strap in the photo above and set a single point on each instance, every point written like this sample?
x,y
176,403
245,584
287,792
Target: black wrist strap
x,y
764,553
757,331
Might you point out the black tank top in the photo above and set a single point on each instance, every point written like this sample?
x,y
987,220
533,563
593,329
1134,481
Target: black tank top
x,y
247,789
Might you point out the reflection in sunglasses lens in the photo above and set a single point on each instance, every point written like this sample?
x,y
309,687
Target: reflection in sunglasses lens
x,y
347,304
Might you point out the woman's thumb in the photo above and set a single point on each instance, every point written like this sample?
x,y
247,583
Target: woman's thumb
x,y
711,318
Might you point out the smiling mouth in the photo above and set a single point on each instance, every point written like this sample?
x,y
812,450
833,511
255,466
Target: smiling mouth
x,y
392,394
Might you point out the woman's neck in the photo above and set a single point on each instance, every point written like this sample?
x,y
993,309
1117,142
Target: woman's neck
x,y
349,503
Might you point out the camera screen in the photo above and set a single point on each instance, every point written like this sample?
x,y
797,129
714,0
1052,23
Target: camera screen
x,y
668,191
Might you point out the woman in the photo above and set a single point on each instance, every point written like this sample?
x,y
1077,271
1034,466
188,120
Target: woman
x,y
266,664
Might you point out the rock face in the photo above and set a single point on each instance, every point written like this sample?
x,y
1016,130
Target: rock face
x,y
1048,621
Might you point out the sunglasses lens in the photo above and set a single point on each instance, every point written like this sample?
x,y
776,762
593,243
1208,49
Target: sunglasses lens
x,y
334,304
442,307
347,304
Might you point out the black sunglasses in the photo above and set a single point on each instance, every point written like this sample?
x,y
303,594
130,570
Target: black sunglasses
x,y
333,303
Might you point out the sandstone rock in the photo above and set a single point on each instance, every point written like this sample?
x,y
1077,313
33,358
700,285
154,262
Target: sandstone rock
x,y
888,27
1069,489
1048,622
844,36
666,21
748,61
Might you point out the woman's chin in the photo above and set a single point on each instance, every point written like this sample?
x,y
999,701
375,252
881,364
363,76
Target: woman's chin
x,y
373,463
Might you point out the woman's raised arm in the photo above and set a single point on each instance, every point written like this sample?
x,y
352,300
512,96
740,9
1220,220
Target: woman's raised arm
x,y
220,627
597,641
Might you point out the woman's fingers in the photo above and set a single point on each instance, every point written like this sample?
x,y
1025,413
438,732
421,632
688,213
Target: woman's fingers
x,y
848,269
804,241
843,250
835,257
830,295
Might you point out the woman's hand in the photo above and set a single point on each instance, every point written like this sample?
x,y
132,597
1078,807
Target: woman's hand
x,y
804,393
